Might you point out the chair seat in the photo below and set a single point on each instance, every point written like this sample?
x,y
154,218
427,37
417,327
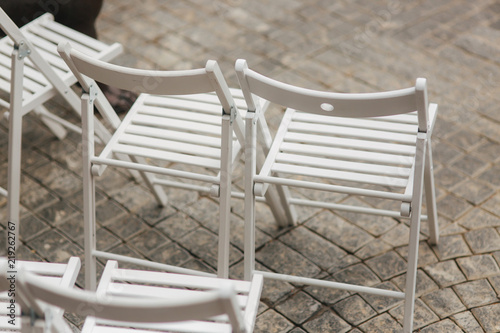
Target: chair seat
x,y
45,34
119,282
372,154
173,129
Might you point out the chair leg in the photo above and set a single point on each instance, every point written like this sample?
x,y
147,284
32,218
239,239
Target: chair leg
x,y
430,196
14,152
250,169
89,214
225,197
416,210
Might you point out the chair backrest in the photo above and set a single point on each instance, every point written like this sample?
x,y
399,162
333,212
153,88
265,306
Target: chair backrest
x,y
182,82
130,309
334,104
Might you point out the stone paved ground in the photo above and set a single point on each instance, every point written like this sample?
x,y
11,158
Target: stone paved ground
x,y
349,46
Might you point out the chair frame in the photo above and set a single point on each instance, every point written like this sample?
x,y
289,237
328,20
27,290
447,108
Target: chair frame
x,y
48,273
109,305
341,105
203,80
24,49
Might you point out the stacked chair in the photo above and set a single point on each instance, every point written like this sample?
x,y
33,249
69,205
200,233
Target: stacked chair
x,y
375,145
32,73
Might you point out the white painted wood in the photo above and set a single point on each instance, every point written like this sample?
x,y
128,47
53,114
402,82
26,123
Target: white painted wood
x,y
149,301
35,74
187,119
375,145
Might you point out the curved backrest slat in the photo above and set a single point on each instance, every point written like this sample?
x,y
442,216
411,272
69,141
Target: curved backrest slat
x,y
181,82
330,103
126,309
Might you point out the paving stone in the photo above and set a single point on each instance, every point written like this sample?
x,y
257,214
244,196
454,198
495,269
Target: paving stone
x,y
442,326
204,245
327,322
375,225
425,254
271,321
31,226
488,316
423,286
397,236
327,296
453,207
339,231
445,273
476,293
374,248
478,267
108,211
474,191
483,240
285,260
470,165
313,247
58,213
387,265
444,302
177,225
467,322
422,316
447,178
452,247
493,205
126,227
479,218
354,310
148,241
171,254
358,274
490,176
299,307
54,247
382,303
383,323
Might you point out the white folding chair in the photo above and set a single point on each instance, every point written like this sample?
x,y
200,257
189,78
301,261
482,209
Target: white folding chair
x,y
52,275
373,145
144,301
31,73
187,118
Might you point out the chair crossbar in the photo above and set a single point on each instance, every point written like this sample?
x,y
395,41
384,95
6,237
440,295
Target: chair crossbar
x,y
331,284
155,169
150,264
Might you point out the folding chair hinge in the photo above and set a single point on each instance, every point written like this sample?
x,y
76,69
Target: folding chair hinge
x,y
93,92
233,114
22,50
